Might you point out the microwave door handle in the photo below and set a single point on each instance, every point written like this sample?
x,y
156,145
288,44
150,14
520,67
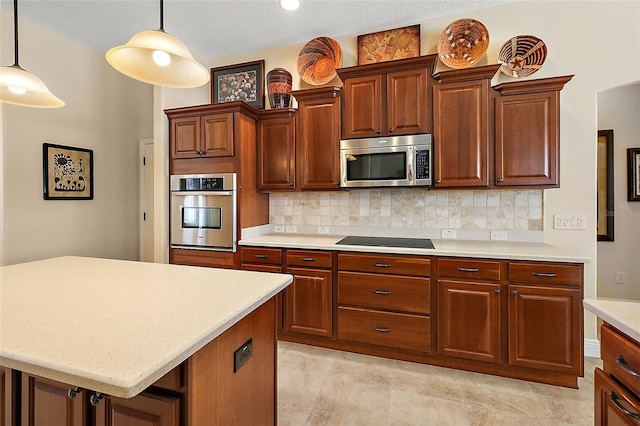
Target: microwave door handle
x,y
201,192
410,159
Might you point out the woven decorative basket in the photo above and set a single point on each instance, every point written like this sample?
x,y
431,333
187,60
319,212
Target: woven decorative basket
x,y
463,43
522,56
318,60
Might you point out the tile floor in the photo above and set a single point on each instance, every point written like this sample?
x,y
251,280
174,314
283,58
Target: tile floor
x,y
318,386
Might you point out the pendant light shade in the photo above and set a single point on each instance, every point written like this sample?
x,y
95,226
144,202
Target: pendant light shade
x,y
157,57
19,87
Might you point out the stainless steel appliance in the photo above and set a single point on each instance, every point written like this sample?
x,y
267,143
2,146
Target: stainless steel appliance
x,y
423,243
386,161
203,211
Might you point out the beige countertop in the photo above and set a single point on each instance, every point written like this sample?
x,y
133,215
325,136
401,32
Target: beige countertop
x,y
114,326
622,314
460,248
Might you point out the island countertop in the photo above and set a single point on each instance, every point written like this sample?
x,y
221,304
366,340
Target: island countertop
x,y
621,314
114,326
443,247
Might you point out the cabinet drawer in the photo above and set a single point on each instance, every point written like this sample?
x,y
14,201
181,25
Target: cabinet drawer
x,y
545,273
384,264
173,380
403,331
260,255
614,404
391,292
312,259
469,268
620,357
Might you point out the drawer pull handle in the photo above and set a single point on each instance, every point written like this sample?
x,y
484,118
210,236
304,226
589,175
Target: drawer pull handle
x,y
382,292
261,256
468,269
308,259
382,265
382,330
541,274
623,364
614,398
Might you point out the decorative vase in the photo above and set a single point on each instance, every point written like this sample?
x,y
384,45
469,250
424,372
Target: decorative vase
x,y
279,88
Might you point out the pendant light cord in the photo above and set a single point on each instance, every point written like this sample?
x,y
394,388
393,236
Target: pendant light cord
x,y
15,30
161,15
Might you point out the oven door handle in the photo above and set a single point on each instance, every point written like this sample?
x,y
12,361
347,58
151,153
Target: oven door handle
x,y
202,193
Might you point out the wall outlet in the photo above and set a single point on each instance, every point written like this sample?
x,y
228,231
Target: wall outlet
x,y
448,233
291,229
278,228
569,221
620,277
323,229
499,235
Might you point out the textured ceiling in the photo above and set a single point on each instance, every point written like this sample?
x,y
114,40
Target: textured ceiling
x,y
218,28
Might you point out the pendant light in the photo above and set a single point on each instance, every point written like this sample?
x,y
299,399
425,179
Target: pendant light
x,y
19,87
157,57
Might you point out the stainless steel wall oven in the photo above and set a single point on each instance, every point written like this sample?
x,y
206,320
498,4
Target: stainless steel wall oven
x,y
204,212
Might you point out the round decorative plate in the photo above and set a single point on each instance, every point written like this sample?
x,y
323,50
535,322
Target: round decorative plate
x,y
318,60
463,43
522,56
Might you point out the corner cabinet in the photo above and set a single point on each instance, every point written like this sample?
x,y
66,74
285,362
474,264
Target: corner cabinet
x,y
277,149
527,132
463,136
387,98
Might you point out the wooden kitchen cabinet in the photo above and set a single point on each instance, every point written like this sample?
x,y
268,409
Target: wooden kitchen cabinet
x,y
463,127
469,309
9,396
546,316
387,98
277,149
318,138
145,408
527,132
202,136
47,402
309,299
384,300
617,384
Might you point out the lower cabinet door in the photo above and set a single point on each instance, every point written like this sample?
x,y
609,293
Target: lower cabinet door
x,y
46,402
309,302
469,320
545,329
614,404
145,409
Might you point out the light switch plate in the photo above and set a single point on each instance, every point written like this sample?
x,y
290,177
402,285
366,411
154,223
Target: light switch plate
x,y
569,221
292,229
448,233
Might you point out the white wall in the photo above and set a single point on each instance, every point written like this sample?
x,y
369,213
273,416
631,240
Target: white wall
x,y
106,112
594,40
619,110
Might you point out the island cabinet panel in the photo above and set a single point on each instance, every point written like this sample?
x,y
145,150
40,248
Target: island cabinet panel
x,y
615,405
318,138
545,320
462,132
144,409
47,402
9,396
386,99
621,357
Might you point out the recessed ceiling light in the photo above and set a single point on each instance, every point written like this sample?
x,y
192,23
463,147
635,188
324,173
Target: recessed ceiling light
x,y
289,4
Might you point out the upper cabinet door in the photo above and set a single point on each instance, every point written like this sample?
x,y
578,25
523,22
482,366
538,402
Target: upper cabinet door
x,y
318,141
185,137
362,107
407,106
276,153
217,135
461,134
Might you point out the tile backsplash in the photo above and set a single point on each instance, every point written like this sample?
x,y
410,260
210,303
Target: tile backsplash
x,y
416,212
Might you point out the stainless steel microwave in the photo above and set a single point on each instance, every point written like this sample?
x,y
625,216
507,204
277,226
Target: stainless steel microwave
x,y
386,161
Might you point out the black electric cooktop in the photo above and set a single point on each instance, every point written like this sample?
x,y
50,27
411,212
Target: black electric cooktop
x,y
423,243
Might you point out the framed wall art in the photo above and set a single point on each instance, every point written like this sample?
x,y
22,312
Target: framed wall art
x,y
67,172
389,45
633,166
239,82
605,214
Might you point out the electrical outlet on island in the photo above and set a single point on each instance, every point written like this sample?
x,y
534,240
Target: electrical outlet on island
x,y
291,229
448,233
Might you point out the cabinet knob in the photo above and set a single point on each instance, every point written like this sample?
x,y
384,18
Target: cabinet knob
x,y
438,181
514,292
96,398
390,130
72,393
496,291
290,183
500,179
378,131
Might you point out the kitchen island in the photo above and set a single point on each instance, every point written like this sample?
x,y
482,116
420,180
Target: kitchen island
x,y
199,343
